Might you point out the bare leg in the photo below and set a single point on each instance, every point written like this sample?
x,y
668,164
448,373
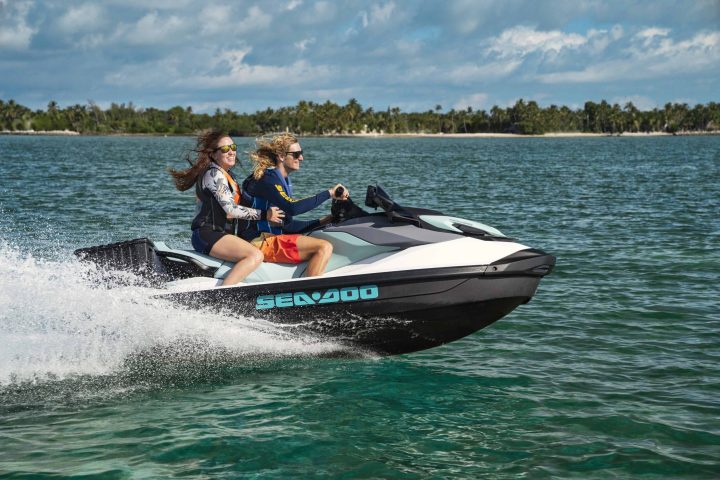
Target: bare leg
x,y
234,249
317,252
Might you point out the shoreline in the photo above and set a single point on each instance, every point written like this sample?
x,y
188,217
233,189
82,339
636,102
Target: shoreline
x,y
68,133
518,135
384,135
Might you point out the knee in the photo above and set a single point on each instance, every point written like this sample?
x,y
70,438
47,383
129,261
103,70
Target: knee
x,y
256,257
325,249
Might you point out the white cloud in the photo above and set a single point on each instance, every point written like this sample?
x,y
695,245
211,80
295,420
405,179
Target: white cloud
x,y
15,33
321,12
378,15
214,19
228,69
599,40
381,14
221,21
521,41
232,70
649,35
659,58
516,50
302,45
256,19
298,73
152,29
86,17
653,32
293,4
694,54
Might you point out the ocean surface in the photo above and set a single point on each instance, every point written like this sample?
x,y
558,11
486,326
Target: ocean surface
x,y
611,371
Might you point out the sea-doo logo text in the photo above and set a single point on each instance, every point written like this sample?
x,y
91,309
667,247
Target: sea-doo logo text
x,y
333,295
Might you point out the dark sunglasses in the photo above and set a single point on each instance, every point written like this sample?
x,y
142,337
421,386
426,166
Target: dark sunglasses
x,y
295,155
227,148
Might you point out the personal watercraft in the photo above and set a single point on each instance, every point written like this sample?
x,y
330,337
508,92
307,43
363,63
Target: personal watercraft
x,y
399,280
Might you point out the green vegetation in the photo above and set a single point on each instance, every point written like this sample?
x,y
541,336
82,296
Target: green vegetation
x,y
309,118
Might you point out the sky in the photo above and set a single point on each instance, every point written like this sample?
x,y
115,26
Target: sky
x,y
412,54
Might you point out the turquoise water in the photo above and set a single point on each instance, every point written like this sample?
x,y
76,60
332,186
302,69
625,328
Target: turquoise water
x,y
610,372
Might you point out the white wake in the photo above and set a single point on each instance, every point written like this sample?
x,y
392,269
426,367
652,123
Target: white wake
x,y
56,322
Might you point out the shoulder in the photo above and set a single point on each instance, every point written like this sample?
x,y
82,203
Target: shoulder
x,y
213,175
271,175
213,172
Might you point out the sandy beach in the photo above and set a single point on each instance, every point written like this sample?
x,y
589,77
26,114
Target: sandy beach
x,y
516,135
39,132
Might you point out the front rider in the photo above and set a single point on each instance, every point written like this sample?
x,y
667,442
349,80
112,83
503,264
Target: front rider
x,y
274,160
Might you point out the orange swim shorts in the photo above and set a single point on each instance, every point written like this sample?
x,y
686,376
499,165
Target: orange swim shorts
x,y
278,248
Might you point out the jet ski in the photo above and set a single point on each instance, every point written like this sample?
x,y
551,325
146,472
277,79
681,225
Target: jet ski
x,y
400,279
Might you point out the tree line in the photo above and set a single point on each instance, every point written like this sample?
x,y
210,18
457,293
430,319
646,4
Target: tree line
x,y
310,118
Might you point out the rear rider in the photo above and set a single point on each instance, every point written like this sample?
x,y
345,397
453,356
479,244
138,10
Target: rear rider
x,y
218,200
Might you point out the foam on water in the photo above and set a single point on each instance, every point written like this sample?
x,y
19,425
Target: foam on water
x,y
57,323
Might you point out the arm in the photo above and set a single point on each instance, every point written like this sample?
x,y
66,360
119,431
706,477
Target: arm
x,y
216,183
273,192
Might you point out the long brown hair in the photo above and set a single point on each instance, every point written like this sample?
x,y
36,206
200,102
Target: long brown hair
x,y
205,146
267,150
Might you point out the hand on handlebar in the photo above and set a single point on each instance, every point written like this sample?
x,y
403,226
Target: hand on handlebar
x,y
339,192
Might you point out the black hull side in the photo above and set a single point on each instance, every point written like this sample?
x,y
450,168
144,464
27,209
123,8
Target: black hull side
x,y
403,311
420,329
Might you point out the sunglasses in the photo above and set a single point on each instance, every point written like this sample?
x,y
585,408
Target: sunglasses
x,y
295,155
227,148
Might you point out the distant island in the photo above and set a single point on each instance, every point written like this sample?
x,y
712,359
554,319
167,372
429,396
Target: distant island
x,y
309,118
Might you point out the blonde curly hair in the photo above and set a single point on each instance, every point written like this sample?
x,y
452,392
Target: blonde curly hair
x,y
268,148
